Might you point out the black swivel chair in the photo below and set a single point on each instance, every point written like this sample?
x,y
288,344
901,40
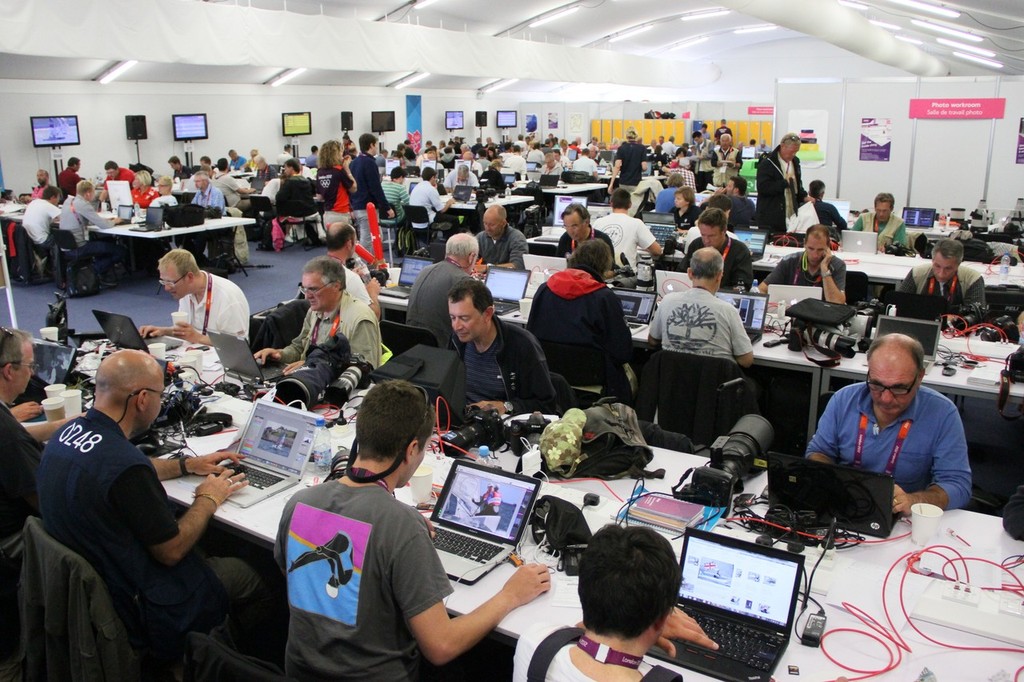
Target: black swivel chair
x,y
63,242
418,215
582,366
400,337
857,287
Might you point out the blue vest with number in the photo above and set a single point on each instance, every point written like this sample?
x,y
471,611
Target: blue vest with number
x,y
157,603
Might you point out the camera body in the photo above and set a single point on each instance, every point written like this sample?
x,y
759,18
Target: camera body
x,y
353,377
529,429
483,427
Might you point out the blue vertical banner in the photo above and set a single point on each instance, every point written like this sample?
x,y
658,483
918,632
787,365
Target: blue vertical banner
x,y
414,121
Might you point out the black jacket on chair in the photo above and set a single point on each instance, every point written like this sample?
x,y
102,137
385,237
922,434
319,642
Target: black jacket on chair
x,y
295,198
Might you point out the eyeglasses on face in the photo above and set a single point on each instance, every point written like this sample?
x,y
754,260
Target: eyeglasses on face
x,y
897,390
171,283
313,291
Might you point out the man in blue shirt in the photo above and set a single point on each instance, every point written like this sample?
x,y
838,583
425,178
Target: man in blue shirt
x,y
367,179
892,424
206,196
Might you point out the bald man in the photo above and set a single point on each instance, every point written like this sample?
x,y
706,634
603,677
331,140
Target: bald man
x,y
102,497
500,244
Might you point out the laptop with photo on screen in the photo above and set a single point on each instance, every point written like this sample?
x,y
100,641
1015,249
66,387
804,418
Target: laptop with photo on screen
x,y
276,442
53,361
637,306
860,242
411,266
507,287
923,218
237,360
927,332
562,202
756,241
124,333
480,517
753,310
744,597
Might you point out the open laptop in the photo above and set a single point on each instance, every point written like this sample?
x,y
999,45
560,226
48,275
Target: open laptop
x,y
124,333
154,221
858,500
669,282
637,307
411,266
744,597
54,361
842,207
860,242
753,310
661,225
509,179
791,294
923,218
917,306
462,193
756,240
480,517
532,166
126,212
237,360
562,202
119,192
257,184
927,332
548,180
548,265
507,287
276,442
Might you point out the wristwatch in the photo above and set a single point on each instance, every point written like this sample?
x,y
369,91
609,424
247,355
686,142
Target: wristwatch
x,y
826,273
508,407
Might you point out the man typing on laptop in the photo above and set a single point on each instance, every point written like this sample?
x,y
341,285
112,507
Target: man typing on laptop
x,y
946,277
365,586
893,424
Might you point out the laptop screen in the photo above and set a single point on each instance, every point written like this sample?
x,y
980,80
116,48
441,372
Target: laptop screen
x,y
637,306
509,178
755,241
752,307
506,284
562,202
573,154
53,361
411,269
279,436
473,496
155,215
739,577
532,166
919,217
925,331
842,207
124,212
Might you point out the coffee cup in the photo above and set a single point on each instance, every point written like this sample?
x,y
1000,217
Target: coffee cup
x,y
158,350
524,307
924,522
422,483
179,318
54,390
54,408
72,402
48,333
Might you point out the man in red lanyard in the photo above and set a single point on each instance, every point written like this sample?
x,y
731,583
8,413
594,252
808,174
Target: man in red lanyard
x,y
892,424
815,266
946,277
213,304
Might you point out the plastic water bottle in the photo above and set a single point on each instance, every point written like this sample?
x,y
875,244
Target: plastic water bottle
x,y
136,211
1004,268
753,287
323,452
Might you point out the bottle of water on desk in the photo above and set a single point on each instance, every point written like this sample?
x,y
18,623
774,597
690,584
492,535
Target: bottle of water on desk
x,y
323,451
1004,268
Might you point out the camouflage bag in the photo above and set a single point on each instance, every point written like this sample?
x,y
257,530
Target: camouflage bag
x,y
603,441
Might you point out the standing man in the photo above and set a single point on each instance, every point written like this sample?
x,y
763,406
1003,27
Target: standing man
x,y
68,178
213,303
341,246
576,220
893,424
890,228
723,129
428,302
500,244
76,215
376,604
816,266
726,161
780,190
738,269
629,163
367,188
627,234
946,276
702,152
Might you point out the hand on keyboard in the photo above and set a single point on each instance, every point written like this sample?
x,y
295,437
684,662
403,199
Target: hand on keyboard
x,y
680,626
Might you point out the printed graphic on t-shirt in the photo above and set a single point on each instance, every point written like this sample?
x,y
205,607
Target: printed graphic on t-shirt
x,y
325,562
690,327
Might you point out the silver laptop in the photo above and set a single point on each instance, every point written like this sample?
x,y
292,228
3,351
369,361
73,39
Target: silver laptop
x,y
637,307
790,294
927,332
548,265
276,442
860,242
753,310
411,267
237,360
507,286
670,282
480,518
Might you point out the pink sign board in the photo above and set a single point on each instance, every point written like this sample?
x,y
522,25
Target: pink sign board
x,y
760,111
685,114
993,107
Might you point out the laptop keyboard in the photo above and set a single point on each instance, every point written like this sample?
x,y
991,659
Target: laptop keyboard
x,y
465,546
257,478
746,645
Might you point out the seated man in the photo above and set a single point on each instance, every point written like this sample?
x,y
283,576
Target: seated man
x,y
738,270
235,191
76,215
574,306
207,196
68,178
332,311
461,176
295,197
665,201
181,171
685,210
723,204
576,219
384,601
695,321
396,193
213,303
505,366
893,424
341,246
425,194
428,302
39,217
828,215
100,496
946,276
627,234
42,182
500,244
890,228
817,266
237,162
628,587
115,172
742,212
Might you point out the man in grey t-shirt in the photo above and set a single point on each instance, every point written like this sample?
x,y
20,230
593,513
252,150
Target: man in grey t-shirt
x,y
815,266
695,321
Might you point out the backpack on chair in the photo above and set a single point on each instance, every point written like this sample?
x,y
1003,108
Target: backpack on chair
x,y
81,279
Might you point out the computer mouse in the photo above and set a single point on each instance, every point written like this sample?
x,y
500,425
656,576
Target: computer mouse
x,y
948,371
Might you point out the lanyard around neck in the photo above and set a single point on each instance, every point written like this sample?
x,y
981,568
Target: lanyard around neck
x,y
952,287
602,653
316,329
209,302
862,432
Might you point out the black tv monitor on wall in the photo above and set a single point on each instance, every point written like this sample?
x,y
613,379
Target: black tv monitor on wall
x,y
189,127
453,120
382,121
296,123
54,131
508,119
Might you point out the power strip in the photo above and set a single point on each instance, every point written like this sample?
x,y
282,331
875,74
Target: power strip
x,y
968,608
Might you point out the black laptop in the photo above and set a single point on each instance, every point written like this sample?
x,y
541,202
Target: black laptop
x,y
916,306
637,306
744,597
237,360
548,180
154,220
123,333
462,193
858,500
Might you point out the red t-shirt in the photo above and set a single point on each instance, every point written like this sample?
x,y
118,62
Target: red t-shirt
x,y
144,197
122,174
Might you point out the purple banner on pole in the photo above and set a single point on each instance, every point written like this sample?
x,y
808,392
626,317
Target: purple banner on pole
x,y
875,139
1020,142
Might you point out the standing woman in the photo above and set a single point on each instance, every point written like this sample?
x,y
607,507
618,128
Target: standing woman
x,y
334,182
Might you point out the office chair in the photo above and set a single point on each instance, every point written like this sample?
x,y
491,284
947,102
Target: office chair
x,y
418,215
857,287
582,366
63,242
400,337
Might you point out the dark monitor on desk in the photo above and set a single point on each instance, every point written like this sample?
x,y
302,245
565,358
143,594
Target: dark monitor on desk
x,y
916,306
919,217
572,154
606,155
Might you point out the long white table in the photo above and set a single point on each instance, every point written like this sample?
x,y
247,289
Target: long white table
x,y
208,226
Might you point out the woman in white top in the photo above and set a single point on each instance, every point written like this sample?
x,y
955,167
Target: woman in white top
x,y
164,186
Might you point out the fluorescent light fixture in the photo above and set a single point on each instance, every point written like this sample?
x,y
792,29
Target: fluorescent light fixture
x,y
498,85
555,15
860,7
939,28
908,39
420,4
286,76
629,34
755,29
409,80
966,48
882,24
928,7
689,43
704,14
980,60
116,71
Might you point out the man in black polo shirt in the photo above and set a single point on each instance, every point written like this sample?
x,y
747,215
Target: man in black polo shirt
x,y
738,271
576,219
629,163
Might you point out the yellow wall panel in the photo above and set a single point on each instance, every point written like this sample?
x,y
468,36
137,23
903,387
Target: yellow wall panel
x,y
617,130
595,128
606,131
648,130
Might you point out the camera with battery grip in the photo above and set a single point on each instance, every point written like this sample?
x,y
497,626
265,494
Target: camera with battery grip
x,y
483,427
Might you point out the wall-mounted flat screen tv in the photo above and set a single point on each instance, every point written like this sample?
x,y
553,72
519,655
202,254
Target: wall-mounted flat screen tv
x,y
54,131
508,119
453,120
189,127
382,121
296,123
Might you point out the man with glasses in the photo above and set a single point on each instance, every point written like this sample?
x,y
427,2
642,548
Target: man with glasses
x,y
332,311
892,424
213,304
102,497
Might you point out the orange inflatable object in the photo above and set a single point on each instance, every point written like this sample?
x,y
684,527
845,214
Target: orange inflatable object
x,y
375,240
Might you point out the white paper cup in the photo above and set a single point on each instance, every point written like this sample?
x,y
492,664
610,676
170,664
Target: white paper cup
x,y
193,359
158,350
54,390
393,274
72,402
924,519
48,333
179,318
54,408
524,307
422,485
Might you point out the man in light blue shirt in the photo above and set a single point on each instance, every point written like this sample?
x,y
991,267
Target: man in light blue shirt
x,y
206,196
425,194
